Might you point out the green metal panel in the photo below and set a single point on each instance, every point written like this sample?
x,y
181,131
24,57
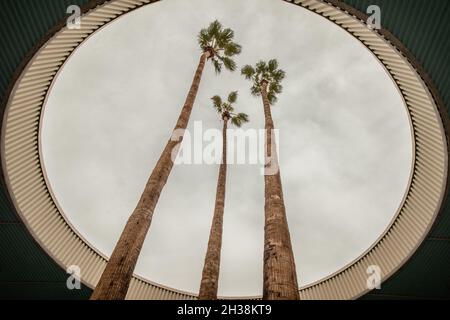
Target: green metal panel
x,y
23,24
426,275
6,211
422,26
41,291
27,272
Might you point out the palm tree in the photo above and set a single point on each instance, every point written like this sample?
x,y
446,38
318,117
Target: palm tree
x,y
280,278
210,276
217,45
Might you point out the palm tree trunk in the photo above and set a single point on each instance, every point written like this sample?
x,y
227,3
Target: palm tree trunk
x,y
115,280
280,278
210,276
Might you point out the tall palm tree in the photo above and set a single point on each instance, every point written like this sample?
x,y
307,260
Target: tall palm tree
x,y
280,278
210,276
217,45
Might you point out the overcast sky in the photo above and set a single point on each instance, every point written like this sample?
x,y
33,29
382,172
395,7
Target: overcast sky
x,y
345,145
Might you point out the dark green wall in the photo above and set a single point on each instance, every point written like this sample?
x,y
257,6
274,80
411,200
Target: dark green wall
x,y
27,272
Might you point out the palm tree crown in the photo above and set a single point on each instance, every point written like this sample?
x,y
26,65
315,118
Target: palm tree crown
x,y
219,43
226,109
265,72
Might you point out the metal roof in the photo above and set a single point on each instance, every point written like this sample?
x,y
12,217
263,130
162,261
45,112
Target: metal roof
x,y
26,271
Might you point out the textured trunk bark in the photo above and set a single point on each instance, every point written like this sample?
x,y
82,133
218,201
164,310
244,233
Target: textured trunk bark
x,y
280,278
115,280
210,277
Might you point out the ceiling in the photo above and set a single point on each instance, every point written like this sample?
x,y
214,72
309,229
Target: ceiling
x,y
27,272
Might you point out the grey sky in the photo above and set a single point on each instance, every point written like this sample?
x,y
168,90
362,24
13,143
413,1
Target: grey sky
x,y
345,145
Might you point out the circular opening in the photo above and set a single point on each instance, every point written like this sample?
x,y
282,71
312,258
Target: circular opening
x,y
345,141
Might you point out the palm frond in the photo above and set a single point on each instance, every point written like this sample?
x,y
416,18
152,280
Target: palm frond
x,y
275,87
232,97
268,71
221,42
243,117
256,90
214,29
217,65
227,107
204,39
231,49
261,67
225,37
228,63
278,75
217,102
272,65
239,119
272,98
